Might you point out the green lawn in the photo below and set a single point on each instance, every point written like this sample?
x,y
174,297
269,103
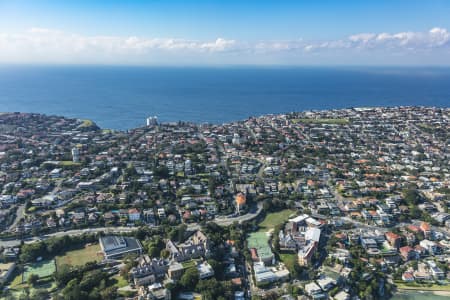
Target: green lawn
x,y
337,121
119,281
273,219
189,264
67,163
17,288
17,281
422,287
42,269
126,294
87,123
290,260
79,257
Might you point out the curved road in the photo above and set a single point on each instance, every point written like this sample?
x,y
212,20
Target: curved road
x,y
247,217
20,213
218,221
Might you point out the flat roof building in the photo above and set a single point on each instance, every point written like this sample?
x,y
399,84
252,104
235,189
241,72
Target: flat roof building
x,y
6,271
205,270
114,247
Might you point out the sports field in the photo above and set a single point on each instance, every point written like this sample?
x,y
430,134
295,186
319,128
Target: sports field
x,y
43,269
79,257
273,219
260,241
290,261
337,121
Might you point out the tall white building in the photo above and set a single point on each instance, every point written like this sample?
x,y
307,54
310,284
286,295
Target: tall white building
x,y
75,155
151,121
236,139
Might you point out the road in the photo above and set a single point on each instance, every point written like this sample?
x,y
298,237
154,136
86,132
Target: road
x,y
247,217
362,226
13,243
20,213
218,221
12,137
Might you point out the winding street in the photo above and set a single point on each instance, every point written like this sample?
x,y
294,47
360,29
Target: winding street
x,y
222,221
218,221
20,213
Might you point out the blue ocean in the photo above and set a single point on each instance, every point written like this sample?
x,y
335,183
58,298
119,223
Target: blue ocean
x,y
122,97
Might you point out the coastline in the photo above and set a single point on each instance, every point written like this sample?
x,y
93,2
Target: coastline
x,y
89,123
418,289
417,294
121,98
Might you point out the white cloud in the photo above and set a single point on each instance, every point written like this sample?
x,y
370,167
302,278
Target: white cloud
x,y
218,45
58,40
40,30
435,38
50,45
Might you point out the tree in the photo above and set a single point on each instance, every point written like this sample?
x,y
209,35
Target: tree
x,y
153,251
25,295
181,232
63,275
109,293
161,172
33,279
190,278
276,238
91,280
368,292
40,294
411,196
165,253
130,171
212,289
267,205
124,272
73,292
217,267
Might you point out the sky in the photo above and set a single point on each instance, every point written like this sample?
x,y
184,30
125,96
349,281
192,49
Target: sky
x,y
226,32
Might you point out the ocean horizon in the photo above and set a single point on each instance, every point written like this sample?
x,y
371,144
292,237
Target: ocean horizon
x,y
122,97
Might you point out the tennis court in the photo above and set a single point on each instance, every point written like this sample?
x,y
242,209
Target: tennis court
x,y
260,241
42,269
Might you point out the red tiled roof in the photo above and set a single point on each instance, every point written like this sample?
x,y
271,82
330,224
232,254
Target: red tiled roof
x,y
406,249
424,226
413,228
392,236
407,275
